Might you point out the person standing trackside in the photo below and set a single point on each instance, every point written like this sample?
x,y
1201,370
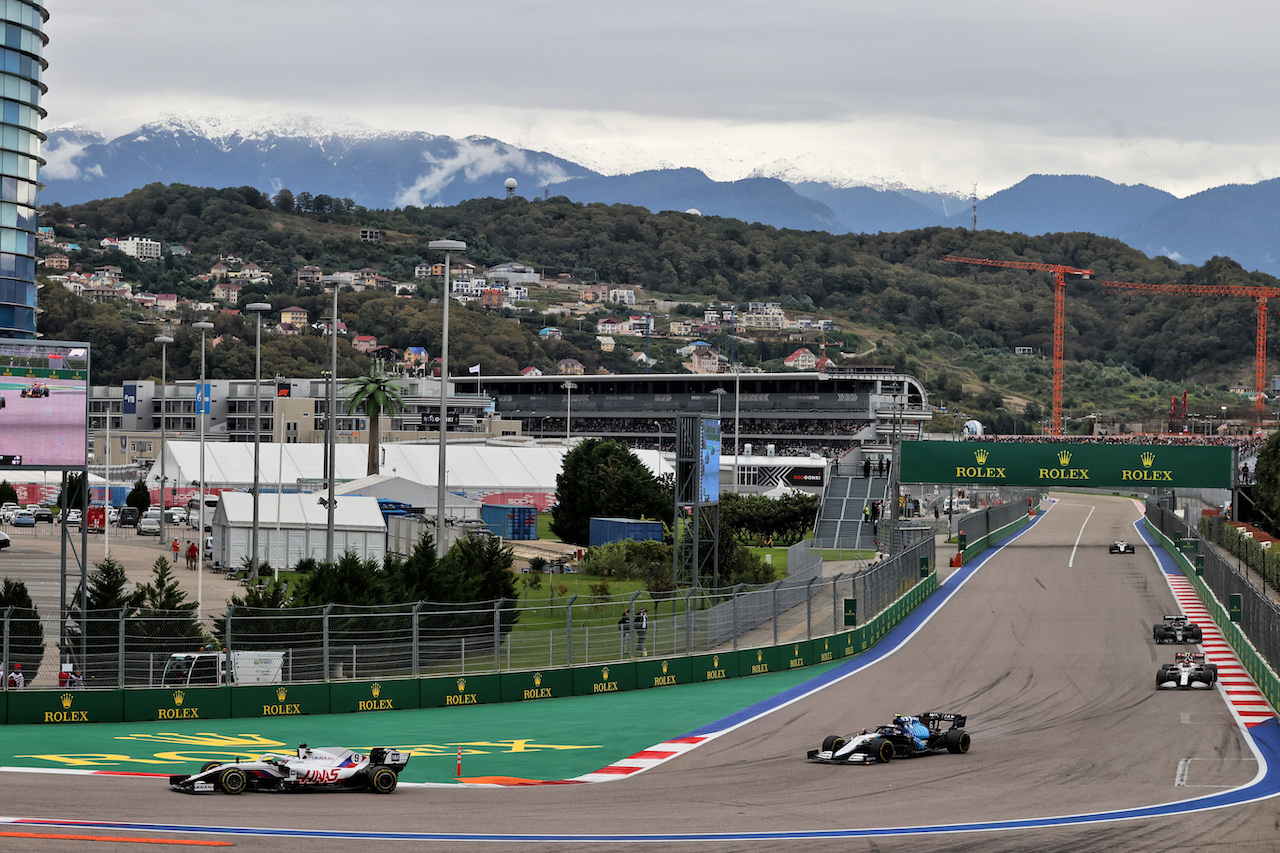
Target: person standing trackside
x,y
642,629
16,679
624,625
174,549
193,554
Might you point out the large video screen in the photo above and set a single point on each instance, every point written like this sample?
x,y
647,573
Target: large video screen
x,y
44,404
709,462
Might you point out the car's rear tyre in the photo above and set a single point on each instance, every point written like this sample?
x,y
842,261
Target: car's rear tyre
x,y
383,780
957,741
882,749
832,742
209,765
233,781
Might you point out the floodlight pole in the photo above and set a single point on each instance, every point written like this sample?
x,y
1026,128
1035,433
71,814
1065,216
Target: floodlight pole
x,y
257,308
203,408
331,433
163,341
446,246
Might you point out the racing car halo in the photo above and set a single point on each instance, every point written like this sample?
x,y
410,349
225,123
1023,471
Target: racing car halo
x,y
1190,672
1177,629
325,768
908,736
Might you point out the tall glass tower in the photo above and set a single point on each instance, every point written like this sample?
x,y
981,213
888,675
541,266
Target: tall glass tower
x,y
20,139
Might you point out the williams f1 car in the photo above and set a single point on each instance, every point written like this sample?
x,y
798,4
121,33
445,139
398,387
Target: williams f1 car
x,y
906,737
1177,629
327,768
1121,547
1190,672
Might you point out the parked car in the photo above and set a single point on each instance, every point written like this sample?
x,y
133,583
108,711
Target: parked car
x,y
148,527
4,540
42,513
128,516
23,518
72,518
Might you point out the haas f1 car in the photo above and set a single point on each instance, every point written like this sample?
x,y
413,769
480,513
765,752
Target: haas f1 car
x,y
1121,547
1177,629
906,737
327,768
1190,672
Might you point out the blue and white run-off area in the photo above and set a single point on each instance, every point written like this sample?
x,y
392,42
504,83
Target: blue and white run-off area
x,y
1044,642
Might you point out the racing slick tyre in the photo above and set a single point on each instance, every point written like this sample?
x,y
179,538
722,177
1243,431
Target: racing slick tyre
x,y
831,743
1159,633
957,741
1195,634
383,781
882,749
1211,670
209,765
233,781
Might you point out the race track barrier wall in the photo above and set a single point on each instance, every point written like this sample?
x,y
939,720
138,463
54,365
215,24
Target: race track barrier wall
x,y
372,696
1250,659
973,549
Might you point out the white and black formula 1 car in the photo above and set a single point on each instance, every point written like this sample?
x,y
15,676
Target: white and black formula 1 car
x,y
325,768
1190,672
1121,547
1177,629
907,736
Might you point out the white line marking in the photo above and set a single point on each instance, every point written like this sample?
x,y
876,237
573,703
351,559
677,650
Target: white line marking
x,y
1071,562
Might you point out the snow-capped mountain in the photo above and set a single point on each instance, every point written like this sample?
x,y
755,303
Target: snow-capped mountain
x,y
379,169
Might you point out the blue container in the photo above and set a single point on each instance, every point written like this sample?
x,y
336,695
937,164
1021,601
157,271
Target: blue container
x,y
621,529
514,521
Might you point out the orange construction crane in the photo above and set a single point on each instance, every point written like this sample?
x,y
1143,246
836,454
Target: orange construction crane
x,y
1261,294
1060,275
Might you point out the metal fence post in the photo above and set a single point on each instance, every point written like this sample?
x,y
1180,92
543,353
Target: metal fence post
x,y
5,665
497,634
775,613
417,635
120,649
808,610
226,636
324,639
688,621
568,628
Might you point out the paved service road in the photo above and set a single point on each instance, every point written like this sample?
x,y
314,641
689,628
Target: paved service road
x,y
1047,648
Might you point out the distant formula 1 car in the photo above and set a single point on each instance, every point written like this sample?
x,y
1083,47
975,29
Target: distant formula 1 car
x,y
327,768
36,390
1177,629
1121,547
1190,672
906,737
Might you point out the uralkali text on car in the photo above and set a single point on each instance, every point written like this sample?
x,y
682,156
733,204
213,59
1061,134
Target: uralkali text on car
x,y
329,768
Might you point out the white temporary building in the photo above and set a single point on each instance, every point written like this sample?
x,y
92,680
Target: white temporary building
x,y
416,495
303,525
473,471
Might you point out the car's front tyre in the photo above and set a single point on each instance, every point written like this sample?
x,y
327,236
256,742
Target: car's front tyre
x,y
832,742
233,781
882,749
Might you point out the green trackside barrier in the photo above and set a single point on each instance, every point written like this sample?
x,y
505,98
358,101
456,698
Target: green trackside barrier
x,y
284,700
983,543
605,678
66,706
43,373
539,684
458,690
341,696
1253,662
714,667
664,673
177,703
388,694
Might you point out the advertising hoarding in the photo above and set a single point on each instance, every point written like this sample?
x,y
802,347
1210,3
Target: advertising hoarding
x,y
709,462
44,404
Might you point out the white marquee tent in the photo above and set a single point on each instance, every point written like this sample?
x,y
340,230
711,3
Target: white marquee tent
x,y
303,523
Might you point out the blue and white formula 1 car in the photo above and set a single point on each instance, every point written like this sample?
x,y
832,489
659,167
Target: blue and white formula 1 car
x,y
325,768
908,736
1177,629
1190,672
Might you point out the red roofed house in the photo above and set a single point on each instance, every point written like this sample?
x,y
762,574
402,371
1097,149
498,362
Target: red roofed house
x,y
365,343
801,359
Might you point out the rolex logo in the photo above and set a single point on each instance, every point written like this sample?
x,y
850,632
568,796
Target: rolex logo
x,y
67,699
715,661
981,456
537,679
462,684
759,656
375,689
604,674
1147,459
281,693
664,667
178,696
795,651
1064,457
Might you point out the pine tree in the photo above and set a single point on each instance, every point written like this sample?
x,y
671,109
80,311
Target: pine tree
x,y
26,634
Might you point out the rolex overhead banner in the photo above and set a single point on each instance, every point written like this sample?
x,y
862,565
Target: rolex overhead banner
x,y
1034,464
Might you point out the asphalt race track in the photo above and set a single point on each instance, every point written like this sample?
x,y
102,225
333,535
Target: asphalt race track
x,y
1046,646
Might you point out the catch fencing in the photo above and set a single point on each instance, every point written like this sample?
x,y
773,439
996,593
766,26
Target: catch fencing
x,y
421,639
1225,576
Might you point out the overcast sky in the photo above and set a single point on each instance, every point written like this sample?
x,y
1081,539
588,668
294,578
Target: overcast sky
x,y
1179,95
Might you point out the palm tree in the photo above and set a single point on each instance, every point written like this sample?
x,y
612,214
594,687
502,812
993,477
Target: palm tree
x,y
374,393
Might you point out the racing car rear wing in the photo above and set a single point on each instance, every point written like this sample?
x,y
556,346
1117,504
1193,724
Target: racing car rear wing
x,y
957,720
